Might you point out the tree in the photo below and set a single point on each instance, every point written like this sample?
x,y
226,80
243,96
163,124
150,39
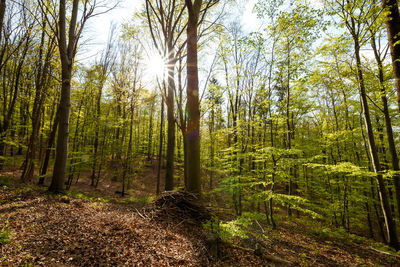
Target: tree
x,y
166,28
355,17
2,14
393,32
67,45
46,50
102,71
193,105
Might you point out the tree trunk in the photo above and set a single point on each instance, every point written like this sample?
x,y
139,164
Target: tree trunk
x,y
41,76
169,175
57,182
2,13
67,55
388,125
149,144
383,196
160,147
50,143
16,87
193,105
393,32
96,138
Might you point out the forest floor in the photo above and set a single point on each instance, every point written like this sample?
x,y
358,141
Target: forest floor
x,y
96,227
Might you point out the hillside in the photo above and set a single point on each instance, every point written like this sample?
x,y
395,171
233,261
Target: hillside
x,y
81,229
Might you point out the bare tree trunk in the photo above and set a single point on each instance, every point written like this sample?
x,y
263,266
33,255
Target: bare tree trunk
x,y
57,183
193,104
169,175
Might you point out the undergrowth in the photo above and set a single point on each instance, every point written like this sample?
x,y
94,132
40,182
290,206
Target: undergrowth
x,y
5,181
5,234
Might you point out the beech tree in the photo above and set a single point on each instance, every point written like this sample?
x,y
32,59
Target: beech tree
x,y
165,21
393,33
354,16
293,116
68,38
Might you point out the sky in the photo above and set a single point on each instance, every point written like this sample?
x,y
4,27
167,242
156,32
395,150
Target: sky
x,y
95,36
96,31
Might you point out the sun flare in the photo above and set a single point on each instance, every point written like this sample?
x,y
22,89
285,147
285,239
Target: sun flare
x,y
155,65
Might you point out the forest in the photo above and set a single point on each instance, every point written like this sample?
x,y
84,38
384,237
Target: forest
x,y
199,133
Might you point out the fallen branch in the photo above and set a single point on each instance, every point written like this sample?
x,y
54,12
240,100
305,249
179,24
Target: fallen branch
x,y
140,214
384,252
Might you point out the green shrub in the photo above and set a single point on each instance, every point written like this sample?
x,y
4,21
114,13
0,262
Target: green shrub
x,y
227,231
5,234
5,181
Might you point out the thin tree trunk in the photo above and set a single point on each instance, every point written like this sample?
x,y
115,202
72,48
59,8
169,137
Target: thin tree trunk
x,y
160,147
388,125
390,224
149,146
41,77
50,143
96,138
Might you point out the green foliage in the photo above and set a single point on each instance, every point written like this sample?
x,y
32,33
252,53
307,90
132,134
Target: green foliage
x,y
5,234
229,230
5,181
384,248
341,234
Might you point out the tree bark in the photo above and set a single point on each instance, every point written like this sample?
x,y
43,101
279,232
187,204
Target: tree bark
x,y
193,106
393,32
169,175
67,54
2,14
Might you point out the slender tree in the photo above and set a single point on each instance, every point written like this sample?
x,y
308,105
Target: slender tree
x,y
67,45
355,18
